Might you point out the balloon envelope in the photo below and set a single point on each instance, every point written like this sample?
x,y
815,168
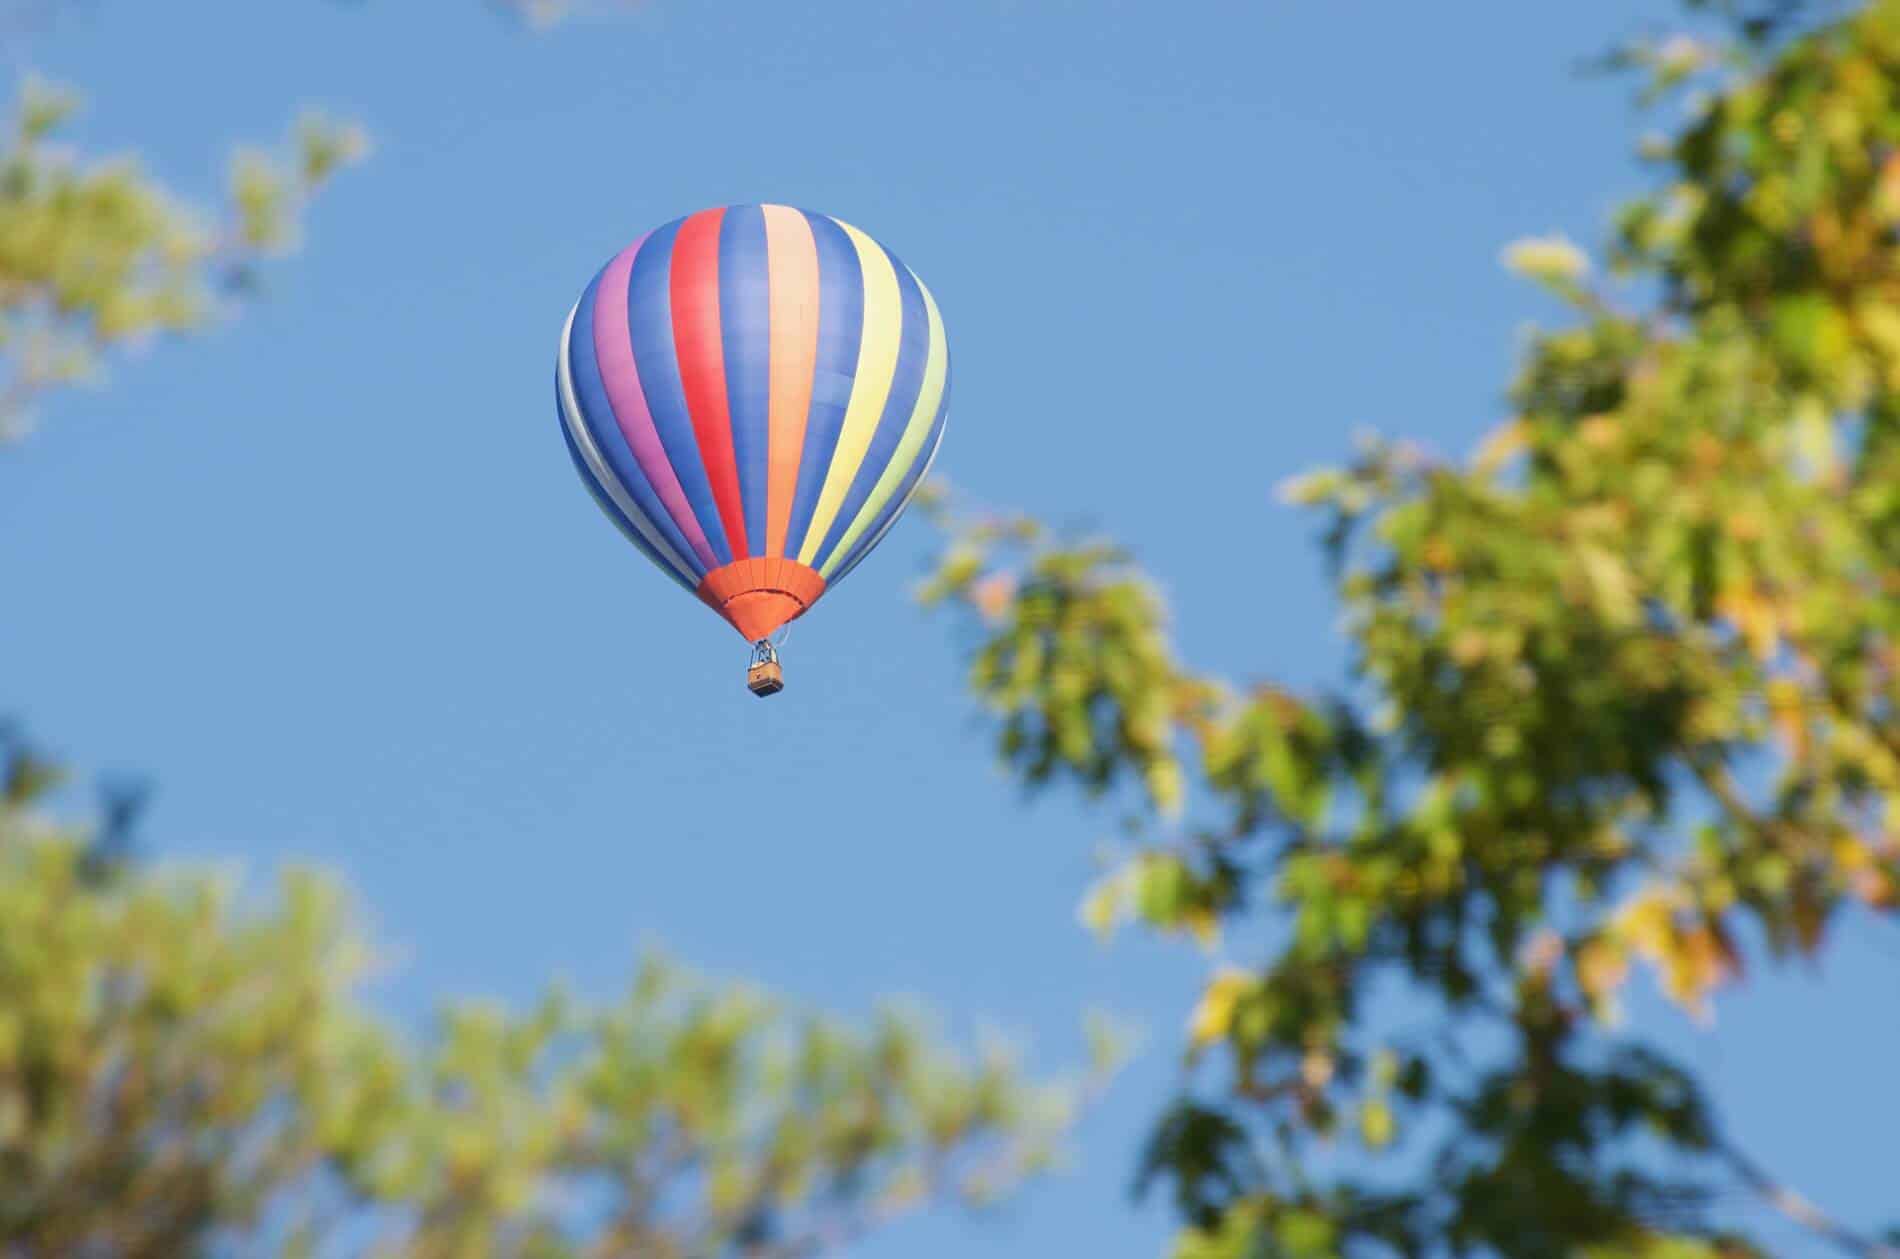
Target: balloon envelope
x,y
753,395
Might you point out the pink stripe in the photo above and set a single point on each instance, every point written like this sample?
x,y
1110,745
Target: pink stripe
x,y
613,351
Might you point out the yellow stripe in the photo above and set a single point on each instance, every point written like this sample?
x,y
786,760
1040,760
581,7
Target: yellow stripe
x,y
929,398
877,364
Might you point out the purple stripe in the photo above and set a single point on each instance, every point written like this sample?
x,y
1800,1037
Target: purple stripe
x,y
613,350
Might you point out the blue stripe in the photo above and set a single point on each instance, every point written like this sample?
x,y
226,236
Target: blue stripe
x,y
907,381
597,412
650,328
606,503
834,373
745,333
872,536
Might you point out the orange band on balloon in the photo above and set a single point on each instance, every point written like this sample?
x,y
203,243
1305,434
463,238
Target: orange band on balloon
x,y
756,596
792,269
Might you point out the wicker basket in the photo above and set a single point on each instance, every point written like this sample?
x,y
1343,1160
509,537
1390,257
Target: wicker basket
x,y
765,678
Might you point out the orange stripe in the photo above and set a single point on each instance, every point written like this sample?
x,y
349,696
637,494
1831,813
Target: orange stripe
x,y
792,267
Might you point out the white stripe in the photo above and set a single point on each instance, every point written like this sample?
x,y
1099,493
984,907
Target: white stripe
x,y
681,571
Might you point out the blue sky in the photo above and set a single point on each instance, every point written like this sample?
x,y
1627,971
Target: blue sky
x,y
327,578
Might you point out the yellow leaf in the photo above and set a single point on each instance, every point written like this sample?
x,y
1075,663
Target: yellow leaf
x,y
1107,903
1601,967
1214,1013
1692,957
1850,854
1552,259
1699,961
1375,1124
1754,617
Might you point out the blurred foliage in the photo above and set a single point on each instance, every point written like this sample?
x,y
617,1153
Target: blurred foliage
x,y
182,1074
543,13
98,256
1623,697
95,256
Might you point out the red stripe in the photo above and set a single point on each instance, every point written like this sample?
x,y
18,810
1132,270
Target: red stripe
x,y
702,360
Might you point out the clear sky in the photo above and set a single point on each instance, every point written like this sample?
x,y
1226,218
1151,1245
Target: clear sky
x,y
327,578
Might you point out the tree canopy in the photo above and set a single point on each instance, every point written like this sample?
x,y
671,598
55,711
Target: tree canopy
x,y
185,1072
1623,695
95,255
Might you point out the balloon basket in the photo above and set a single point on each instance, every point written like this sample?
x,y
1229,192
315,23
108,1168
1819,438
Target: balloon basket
x,y
763,676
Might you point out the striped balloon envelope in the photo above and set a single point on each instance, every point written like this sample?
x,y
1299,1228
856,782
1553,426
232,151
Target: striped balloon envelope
x,y
753,395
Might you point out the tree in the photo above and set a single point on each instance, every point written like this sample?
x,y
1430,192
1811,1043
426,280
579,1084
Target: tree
x,y
94,256
183,1075
1624,692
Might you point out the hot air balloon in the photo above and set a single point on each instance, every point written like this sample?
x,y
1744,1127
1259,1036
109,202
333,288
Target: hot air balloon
x,y
753,395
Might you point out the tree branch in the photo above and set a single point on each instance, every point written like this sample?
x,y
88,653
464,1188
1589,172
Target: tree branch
x,y
1803,1212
